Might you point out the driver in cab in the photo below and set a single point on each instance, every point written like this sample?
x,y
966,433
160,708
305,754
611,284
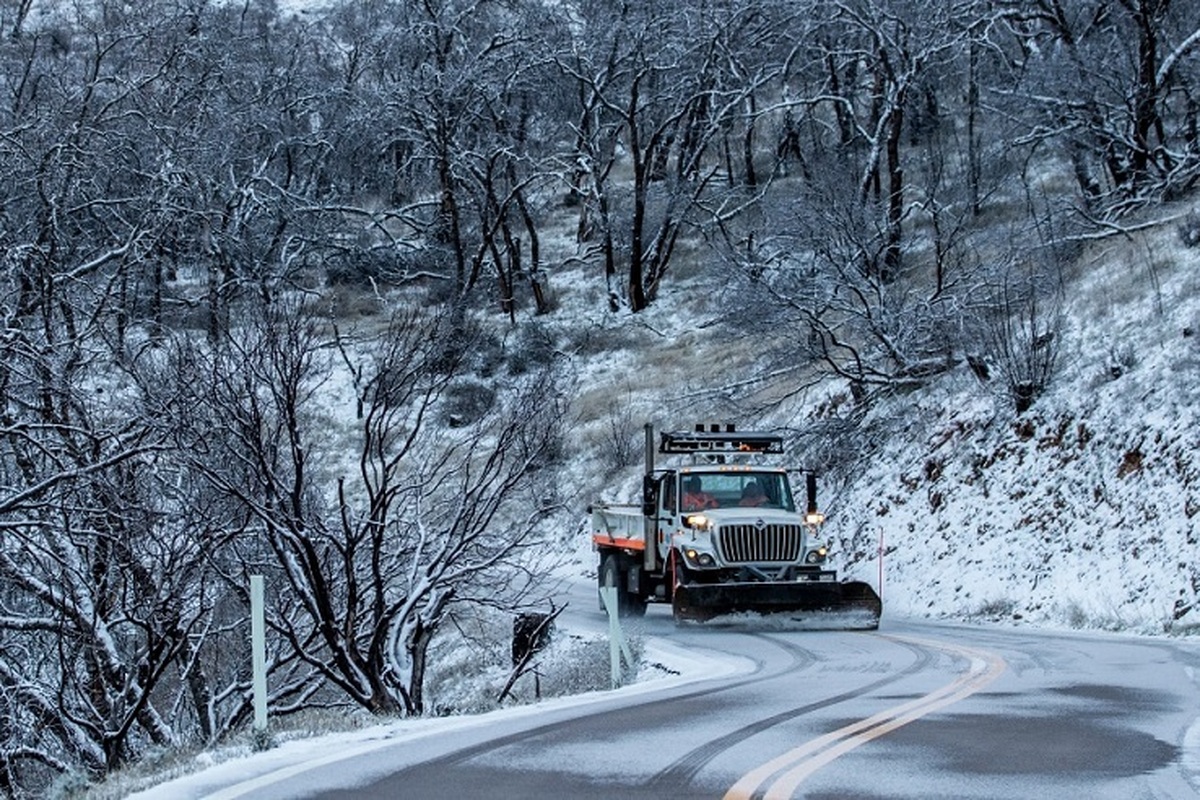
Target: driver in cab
x,y
694,496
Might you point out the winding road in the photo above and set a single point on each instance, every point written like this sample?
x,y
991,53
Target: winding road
x,y
914,710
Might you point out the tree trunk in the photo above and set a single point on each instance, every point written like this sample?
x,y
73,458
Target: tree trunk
x,y
974,161
1145,109
895,206
637,293
748,145
418,653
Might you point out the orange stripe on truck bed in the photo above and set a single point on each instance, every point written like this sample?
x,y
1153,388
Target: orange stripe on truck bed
x,y
604,540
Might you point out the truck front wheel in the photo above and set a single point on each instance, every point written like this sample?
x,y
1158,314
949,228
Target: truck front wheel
x,y
612,574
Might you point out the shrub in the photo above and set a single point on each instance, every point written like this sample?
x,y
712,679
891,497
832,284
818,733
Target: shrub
x,y
1025,334
1189,229
534,347
466,402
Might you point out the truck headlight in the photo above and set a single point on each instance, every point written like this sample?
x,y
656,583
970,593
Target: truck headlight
x,y
699,559
816,556
698,522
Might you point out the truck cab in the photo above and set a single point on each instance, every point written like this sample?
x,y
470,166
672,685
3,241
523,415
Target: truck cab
x,y
733,522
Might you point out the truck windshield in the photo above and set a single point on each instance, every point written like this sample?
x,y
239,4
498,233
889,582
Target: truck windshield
x,y
702,491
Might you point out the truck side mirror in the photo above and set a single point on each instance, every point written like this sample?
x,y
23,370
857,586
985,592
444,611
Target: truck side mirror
x,y
812,516
649,496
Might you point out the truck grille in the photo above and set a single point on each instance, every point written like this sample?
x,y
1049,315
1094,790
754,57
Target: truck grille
x,y
753,544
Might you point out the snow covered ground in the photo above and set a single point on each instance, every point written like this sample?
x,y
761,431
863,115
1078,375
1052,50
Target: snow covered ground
x,y
241,772
1080,513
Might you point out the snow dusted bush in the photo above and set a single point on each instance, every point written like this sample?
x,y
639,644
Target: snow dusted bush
x,y
466,402
71,783
574,664
472,665
1189,229
1122,357
533,347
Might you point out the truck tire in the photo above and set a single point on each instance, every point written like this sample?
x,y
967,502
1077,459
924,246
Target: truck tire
x,y
604,578
612,574
609,574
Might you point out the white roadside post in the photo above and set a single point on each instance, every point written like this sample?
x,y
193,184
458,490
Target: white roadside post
x,y
617,646
258,652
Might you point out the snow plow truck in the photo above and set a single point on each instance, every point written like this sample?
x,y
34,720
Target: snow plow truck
x,y
722,534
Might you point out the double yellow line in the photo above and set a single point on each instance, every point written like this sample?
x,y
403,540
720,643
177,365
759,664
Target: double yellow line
x,y
789,770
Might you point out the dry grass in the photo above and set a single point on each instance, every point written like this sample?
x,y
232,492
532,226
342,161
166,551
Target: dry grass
x,y
1150,263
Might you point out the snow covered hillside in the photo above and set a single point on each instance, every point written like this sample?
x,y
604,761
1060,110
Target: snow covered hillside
x,y
1081,512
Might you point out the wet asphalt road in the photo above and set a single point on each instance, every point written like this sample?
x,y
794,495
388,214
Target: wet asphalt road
x,y
914,710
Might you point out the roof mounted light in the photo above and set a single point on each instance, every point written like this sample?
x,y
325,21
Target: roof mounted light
x,y
720,441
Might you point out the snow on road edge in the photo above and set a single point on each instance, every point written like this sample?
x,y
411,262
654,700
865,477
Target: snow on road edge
x,y
240,777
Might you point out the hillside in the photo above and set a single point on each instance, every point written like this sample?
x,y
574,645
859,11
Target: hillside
x,y
1079,512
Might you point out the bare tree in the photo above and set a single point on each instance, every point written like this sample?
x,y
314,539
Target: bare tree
x,y
876,261
1115,84
657,89
101,576
457,88
99,579
371,562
